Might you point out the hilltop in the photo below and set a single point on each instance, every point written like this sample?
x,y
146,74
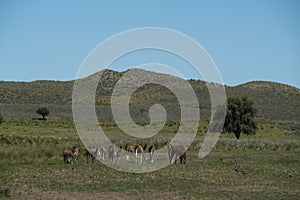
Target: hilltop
x,y
274,101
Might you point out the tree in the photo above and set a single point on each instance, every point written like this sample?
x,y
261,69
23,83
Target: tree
x,y
240,116
43,111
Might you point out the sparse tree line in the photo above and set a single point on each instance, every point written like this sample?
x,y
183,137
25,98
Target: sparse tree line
x,y
240,116
43,111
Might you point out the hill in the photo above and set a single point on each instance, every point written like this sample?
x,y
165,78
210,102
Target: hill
x,y
274,101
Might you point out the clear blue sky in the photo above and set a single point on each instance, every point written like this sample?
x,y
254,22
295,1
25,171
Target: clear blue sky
x,y
248,40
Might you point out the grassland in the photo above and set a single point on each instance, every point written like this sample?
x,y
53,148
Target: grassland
x,y
31,165
260,166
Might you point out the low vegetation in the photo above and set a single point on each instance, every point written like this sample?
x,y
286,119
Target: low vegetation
x,y
264,165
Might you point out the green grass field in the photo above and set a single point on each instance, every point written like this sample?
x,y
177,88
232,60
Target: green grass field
x,y
262,166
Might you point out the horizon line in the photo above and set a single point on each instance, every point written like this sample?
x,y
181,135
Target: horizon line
x,y
120,71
